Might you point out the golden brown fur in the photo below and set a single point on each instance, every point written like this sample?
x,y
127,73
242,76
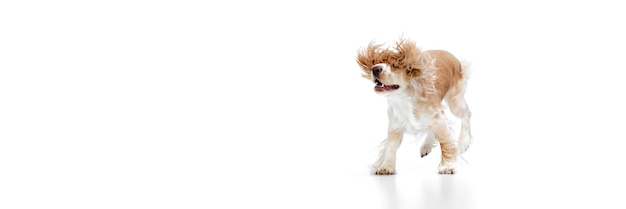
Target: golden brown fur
x,y
416,82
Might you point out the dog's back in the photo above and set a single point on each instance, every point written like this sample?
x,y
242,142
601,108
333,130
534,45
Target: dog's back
x,y
449,70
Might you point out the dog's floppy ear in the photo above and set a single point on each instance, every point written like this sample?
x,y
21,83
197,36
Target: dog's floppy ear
x,y
372,55
407,57
367,57
408,53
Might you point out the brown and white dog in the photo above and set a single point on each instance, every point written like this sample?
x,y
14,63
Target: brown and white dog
x,y
415,84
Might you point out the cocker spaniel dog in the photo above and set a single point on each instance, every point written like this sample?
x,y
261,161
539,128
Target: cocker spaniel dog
x,y
416,83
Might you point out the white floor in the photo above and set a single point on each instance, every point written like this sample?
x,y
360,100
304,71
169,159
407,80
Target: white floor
x,y
259,104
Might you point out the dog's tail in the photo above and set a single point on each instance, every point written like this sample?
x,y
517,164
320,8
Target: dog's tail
x,y
466,67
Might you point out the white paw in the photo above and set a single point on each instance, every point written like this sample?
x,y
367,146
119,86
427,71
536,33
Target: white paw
x,y
446,168
385,170
426,148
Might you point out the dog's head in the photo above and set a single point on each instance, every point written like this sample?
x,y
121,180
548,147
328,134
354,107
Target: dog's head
x,y
390,69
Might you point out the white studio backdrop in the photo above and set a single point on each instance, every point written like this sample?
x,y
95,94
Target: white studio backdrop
x,y
189,104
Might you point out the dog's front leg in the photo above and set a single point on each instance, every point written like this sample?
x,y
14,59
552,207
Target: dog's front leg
x,y
386,163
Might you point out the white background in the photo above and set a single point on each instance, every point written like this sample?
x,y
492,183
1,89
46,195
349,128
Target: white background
x,y
260,104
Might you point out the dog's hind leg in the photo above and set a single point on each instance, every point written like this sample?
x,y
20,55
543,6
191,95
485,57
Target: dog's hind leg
x,y
459,108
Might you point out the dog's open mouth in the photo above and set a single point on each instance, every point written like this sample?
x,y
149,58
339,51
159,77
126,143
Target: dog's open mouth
x,y
380,86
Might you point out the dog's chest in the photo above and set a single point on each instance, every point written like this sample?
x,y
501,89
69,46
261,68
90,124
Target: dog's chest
x,y
401,115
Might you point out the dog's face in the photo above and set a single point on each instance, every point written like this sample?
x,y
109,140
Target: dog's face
x,y
389,70
388,78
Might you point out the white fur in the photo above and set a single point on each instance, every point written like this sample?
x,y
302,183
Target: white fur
x,y
401,110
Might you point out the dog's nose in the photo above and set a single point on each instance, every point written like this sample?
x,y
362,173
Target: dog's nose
x,y
376,70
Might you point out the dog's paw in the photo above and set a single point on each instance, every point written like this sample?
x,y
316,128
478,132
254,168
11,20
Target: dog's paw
x,y
446,168
426,148
384,171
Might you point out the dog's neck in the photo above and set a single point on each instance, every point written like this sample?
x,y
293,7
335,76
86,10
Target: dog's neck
x,y
399,96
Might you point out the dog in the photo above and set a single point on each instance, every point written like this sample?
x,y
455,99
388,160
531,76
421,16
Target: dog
x,y
416,83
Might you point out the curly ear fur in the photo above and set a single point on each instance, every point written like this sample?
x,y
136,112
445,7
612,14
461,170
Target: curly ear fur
x,y
404,56
408,56
371,56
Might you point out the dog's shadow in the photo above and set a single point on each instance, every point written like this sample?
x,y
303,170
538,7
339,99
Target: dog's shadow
x,y
387,184
432,191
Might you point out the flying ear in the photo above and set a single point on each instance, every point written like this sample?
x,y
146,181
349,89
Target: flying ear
x,y
408,53
372,55
368,56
